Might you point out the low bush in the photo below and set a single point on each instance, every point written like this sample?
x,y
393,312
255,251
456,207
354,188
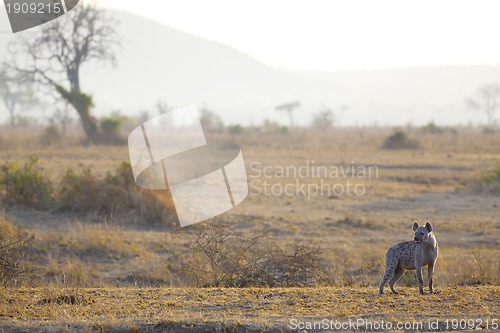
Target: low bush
x,y
25,185
235,129
85,193
156,206
111,125
270,126
399,140
432,128
110,133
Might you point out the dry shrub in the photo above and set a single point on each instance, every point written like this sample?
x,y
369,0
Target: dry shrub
x,y
488,182
156,206
219,256
51,136
14,267
86,193
83,192
116,193
400,140
469,267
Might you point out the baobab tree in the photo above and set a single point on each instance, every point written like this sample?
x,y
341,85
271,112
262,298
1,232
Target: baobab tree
x,y
288,108
487,100
55,54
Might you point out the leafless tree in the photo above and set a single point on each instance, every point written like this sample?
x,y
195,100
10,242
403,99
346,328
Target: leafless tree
x,y
15,92
487,100
62,117
210,121
55,55
288,108
163,107
325,118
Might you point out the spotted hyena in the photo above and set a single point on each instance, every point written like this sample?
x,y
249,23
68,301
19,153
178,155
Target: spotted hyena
x,y
422,251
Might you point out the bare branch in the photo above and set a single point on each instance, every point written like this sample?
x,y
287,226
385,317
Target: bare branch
x,y
488,101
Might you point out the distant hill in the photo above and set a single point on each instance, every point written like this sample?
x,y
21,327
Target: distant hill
x,y
157,62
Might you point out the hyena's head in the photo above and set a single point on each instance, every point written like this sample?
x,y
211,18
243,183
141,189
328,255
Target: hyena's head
x,y
422,233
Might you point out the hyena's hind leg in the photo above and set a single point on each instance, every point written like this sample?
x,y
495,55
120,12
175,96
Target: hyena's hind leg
x,y
397,275
390,269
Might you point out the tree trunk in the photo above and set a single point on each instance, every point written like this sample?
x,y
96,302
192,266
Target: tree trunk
x,y
89,124
82,104
12,112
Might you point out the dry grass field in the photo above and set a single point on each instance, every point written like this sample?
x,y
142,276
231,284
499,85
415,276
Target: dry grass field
x,y
123,271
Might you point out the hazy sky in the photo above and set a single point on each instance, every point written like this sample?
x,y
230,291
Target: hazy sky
x,y
332,35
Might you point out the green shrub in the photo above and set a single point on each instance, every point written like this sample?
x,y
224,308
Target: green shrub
x,y
270,126
111,125
123,177
235,129
25,185
432,128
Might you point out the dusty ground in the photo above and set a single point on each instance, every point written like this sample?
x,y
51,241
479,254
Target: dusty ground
x,y
431,183
246,310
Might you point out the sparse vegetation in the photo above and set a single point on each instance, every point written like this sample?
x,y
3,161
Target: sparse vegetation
x,y
83,256
221,257
83,192
251,310
15,269
488,182
269,126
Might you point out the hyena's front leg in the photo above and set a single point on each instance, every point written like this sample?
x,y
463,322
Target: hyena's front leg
x,y
430,271
418,270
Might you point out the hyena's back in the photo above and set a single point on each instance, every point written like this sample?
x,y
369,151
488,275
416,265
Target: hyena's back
x,y
402,255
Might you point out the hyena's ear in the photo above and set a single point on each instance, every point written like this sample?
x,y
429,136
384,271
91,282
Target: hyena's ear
x,y
428,226
415,225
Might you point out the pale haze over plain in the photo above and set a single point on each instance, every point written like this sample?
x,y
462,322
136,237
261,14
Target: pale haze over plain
x,y
338,35
391,62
